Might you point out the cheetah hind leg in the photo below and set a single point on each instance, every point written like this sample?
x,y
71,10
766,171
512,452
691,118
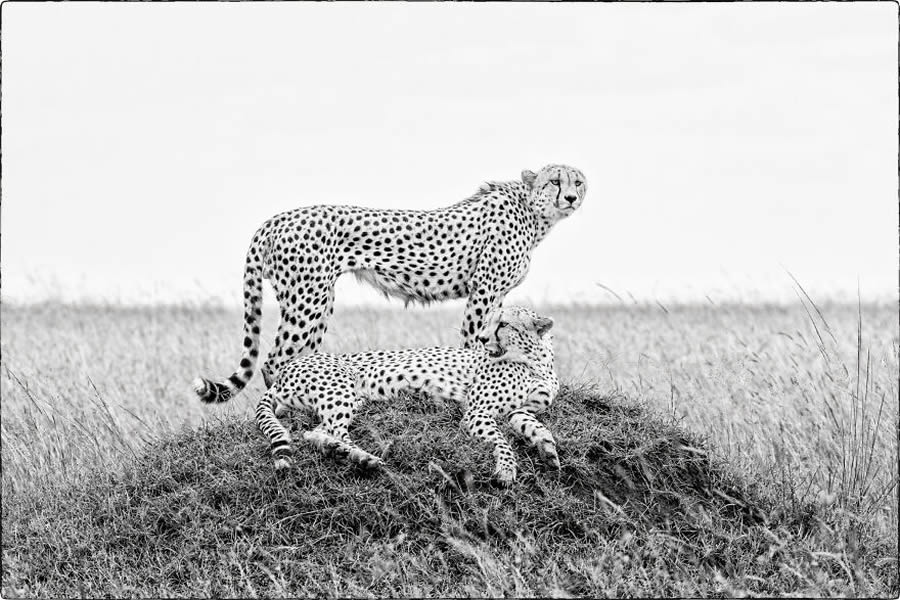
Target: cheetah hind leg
x,y
279,437
327,442
282,456
298,338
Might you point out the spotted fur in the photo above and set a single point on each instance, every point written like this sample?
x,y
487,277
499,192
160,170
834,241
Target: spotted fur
x,y
479,248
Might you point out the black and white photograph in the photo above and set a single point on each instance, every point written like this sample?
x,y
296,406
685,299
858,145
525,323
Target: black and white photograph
x,y
449,299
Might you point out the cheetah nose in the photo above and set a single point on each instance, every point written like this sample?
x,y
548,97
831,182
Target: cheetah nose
x,y
571,198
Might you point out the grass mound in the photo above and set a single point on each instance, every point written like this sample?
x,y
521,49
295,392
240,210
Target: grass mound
x,y
638,508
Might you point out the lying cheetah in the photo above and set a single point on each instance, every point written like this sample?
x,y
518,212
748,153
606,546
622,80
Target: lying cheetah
x,y
479,248
512,374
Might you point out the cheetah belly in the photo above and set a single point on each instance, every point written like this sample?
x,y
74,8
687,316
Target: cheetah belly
x,y
422,291
388,286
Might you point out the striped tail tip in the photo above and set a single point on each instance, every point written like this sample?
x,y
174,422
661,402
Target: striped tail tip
x,y
211,391
200,387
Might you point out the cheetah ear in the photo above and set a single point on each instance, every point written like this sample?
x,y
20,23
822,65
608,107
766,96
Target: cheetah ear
x,y
542,325
528,178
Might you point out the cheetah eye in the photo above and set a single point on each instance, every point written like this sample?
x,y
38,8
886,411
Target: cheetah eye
x,y
555,182
577,184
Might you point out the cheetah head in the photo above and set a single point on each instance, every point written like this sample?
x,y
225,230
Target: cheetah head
x,y
556,191
512,331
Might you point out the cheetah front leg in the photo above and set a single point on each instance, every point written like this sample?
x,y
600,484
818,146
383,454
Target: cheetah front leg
x,y
492,280
481,302
526,426
481,424
501,267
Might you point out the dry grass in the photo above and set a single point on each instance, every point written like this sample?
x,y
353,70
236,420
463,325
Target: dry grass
x,y
804,399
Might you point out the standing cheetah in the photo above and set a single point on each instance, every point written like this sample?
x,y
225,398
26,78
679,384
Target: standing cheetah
x,y
511,374
478,248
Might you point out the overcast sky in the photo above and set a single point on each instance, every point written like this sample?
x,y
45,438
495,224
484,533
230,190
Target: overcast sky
x,y
724,144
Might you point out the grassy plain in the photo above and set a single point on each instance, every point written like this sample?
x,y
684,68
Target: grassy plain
x,y
792,413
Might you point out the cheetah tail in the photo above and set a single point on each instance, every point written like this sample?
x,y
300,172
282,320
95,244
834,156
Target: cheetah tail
x,y
221,391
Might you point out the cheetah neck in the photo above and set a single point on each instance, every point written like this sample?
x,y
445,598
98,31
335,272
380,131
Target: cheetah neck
x,y
517,192
543,225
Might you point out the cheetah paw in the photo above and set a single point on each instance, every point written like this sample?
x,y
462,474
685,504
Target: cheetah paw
x,y
505,476
318,438
365,460
372,463
548,452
